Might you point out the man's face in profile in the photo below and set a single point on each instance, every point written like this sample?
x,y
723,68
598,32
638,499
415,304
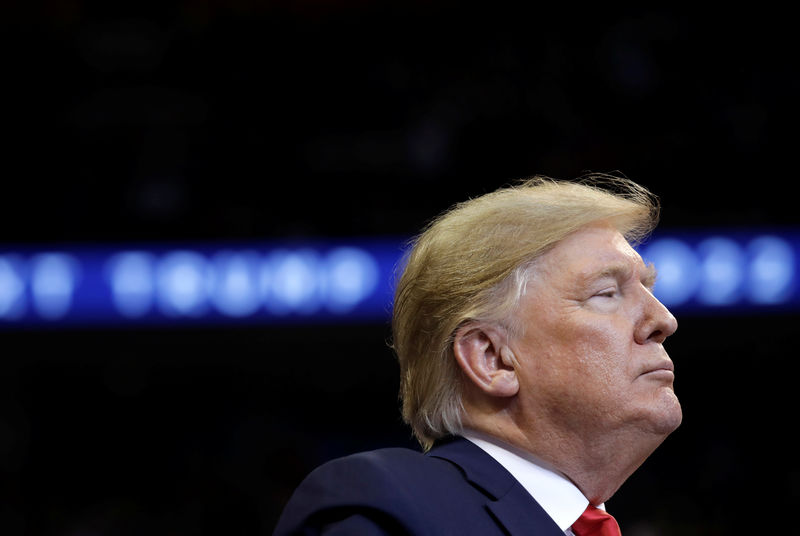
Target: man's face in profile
x,y
590,349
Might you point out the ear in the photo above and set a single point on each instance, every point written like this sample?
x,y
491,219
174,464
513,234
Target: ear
x,y
486,360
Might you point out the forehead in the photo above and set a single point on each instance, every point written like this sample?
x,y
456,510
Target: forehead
x,y
592,250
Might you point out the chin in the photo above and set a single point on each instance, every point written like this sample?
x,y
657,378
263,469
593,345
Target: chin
x,y
668,414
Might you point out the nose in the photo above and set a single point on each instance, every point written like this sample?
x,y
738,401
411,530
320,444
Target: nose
x,y
657,323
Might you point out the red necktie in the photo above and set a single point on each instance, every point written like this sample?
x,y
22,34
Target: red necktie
x,y
595,522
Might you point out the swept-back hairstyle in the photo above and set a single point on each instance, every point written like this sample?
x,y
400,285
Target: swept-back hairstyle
x,y
472,263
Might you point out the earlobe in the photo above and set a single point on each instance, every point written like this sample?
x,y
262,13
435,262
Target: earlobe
x,y
486,360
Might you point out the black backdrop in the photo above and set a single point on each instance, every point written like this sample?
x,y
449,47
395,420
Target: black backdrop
x,y
247,120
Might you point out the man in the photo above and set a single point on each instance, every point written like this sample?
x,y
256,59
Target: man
x,y
532,367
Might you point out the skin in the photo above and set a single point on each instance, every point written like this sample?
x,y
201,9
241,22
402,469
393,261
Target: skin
x,y
587,386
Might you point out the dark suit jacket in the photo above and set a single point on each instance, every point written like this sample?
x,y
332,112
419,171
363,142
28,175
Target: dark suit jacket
x,y
455,489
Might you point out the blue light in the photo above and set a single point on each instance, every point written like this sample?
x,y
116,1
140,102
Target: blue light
x,y
131,277
294,283
53,280
772,267
182,282
678,270
235,283
12,287
352,275
722,268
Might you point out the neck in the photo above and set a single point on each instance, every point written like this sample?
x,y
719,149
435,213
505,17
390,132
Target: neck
x,y
598,464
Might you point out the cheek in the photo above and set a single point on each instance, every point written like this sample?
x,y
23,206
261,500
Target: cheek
x,y
594,354
575,347
603,350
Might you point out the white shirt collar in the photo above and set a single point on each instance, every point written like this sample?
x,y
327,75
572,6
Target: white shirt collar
x,y
555,493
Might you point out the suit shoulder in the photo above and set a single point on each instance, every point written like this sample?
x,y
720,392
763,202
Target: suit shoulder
x,y
393,486
384,466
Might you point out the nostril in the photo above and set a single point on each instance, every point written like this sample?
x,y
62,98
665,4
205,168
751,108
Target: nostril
x,y
657,335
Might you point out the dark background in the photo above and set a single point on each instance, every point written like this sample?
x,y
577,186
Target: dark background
x,y
248,120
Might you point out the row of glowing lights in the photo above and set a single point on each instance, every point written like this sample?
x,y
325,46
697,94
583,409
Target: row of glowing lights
x,y
717,271
186,283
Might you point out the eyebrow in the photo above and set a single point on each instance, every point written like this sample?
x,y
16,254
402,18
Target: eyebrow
x,y
649,276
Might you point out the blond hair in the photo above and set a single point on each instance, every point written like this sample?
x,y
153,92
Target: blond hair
x,y
472,263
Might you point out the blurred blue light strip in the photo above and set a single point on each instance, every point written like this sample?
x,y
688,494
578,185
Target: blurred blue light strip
x,y
321,282
730,271
224,283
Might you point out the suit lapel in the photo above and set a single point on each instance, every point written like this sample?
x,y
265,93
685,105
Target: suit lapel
x,y
521,515
508,502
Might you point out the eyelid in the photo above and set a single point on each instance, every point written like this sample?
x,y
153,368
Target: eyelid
x,y
606,291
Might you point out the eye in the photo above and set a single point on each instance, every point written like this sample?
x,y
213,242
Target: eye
x,y
607,293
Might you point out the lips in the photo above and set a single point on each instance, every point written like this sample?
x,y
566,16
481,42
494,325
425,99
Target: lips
x,y
664,367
